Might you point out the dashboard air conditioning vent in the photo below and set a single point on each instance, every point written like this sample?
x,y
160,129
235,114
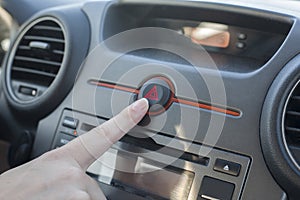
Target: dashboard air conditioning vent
x,y
37,57
291,124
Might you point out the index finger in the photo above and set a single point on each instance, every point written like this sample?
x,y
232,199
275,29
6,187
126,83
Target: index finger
x,y
90,146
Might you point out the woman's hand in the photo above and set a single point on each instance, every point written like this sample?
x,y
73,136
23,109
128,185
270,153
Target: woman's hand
x,y
60,174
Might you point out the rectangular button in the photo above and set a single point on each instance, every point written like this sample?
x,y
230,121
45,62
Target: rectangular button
x,y
67,131
227,167
70,122
215,189
63,139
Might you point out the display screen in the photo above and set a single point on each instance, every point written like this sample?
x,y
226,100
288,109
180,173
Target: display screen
x,y
208,34
142,177
163,183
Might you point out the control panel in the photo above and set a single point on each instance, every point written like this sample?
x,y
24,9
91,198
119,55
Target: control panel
x,y
140,167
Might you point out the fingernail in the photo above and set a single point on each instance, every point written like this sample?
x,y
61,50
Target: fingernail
x,y
140,106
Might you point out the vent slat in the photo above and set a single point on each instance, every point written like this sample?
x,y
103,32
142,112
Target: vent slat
x,y
59,52
32,71
296,98
47,39
23,47
22,58
44,27
295,113
293,129
28,48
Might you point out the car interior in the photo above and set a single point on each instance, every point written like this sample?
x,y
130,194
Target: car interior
x,y
221,78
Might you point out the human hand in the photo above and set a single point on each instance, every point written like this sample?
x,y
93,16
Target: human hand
x,y
60,173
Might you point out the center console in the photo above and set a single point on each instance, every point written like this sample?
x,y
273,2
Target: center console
x,y
152,170
205,69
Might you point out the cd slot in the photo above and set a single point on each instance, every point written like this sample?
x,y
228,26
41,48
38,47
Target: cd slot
x,y
135,145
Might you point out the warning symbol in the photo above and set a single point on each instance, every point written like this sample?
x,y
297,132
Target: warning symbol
x,y
226,168
152,94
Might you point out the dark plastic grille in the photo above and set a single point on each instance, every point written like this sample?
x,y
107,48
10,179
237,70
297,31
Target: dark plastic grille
x,y
39,64
292,123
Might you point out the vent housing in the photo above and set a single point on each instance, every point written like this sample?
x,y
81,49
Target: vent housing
x,y
36,59
279,134
291,123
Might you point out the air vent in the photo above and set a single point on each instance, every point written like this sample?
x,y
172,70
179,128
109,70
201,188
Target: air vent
x,y
36,59
280,128
292,123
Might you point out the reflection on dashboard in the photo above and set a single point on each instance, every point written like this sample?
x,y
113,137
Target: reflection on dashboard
x,y
8,30
209,34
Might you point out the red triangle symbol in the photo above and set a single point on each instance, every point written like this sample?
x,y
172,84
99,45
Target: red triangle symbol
x,y
152,94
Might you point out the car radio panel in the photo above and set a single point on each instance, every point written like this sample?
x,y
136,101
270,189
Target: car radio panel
x,y
151,168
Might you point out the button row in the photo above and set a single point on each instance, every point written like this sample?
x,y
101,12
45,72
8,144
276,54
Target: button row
x,y
241,37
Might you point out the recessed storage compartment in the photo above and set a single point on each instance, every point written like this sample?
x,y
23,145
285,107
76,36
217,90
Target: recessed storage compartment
x,y
238,40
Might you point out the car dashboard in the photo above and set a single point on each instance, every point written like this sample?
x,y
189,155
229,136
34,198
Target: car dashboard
x,y
221,77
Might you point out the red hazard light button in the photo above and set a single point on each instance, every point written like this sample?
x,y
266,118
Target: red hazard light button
x,y
158,92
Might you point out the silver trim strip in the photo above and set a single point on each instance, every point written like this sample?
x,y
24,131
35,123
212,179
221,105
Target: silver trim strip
x,y
208,197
